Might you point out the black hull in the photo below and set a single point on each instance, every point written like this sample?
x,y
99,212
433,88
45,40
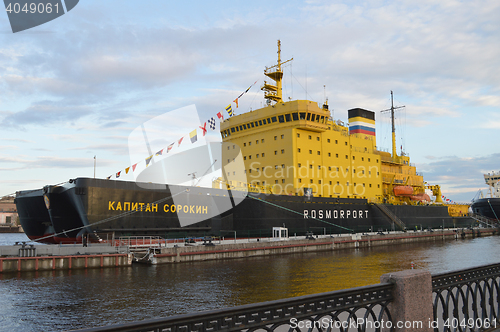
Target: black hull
x,y
117,208
487,207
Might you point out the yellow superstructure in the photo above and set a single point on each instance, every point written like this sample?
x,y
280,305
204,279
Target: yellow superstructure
x,y
296,148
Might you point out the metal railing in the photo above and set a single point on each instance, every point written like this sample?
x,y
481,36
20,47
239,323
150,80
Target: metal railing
x,y
467,300
338,310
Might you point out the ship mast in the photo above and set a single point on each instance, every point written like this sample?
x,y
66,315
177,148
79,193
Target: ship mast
x,y
392,109
273,92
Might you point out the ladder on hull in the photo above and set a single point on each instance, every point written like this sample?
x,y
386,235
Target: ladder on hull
x,y
394,218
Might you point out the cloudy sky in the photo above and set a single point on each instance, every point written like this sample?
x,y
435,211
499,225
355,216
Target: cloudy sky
x,y
76,87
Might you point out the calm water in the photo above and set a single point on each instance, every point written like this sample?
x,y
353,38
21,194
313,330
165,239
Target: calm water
x,y
54,301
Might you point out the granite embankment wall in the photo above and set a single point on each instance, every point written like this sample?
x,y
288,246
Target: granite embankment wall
x,y
260,248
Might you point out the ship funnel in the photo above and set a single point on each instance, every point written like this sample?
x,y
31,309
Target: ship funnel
x,y
361,121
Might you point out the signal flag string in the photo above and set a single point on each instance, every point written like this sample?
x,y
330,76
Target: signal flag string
x,y
193,135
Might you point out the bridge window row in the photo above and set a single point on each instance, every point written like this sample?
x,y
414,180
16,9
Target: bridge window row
x,y
289,117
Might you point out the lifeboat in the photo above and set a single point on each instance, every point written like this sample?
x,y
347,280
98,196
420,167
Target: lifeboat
x,y
403,190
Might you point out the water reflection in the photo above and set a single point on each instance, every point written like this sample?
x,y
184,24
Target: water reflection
x,y
59,300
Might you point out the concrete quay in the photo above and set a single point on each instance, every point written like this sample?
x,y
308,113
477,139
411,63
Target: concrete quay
x,y
242,248
22,258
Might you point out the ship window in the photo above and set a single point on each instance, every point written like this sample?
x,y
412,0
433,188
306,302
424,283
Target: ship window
x,y
346,157
237,129
249,157
282,136
263,183
249,143
250,171
282,180
302,115
310,151
310,137
319,153
329,154
317,138
232,130
378,186
319,167
244,144
313,116
281,118
260,122
319,181
362,158
368,159
251,124
282,151
288,118
308,116
298,150
298,135
322,119
234,146
345,143
256,123
275,138
337,169
329,168
257,156
300,165
336,142
244,126
328,140
262,140
275,166
310,166
275,181
275,152
273,118
330,184
311,180
282,165
228,147
295,116
300,180
370,185
241,127
336,155
353,158
377,160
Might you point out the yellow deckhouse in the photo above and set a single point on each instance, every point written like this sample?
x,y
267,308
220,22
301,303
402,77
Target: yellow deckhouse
x,y
296,148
